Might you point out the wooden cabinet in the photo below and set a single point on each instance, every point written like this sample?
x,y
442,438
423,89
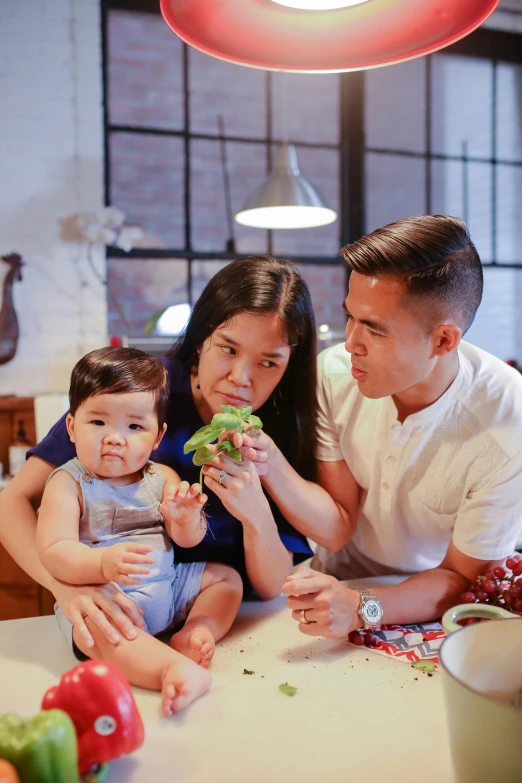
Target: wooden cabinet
x,y
20,596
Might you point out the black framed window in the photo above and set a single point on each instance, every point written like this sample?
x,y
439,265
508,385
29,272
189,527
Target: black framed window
x,y
164,163
440,134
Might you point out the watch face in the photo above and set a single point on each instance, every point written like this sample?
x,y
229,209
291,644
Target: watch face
x,y
372,611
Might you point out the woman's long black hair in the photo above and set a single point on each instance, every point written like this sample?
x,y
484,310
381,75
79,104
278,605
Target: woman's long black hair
x,y
262,285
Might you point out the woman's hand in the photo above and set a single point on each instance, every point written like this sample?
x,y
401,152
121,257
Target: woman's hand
x,y
109,608
256,446
239,489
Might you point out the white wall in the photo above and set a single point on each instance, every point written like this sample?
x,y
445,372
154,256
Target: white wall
x,y
51,153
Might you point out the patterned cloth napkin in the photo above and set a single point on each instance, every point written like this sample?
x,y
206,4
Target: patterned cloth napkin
x,y
411,642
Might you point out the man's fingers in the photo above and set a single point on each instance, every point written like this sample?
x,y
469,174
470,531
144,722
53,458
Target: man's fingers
x,y
303,572
311,629
304,586
310,614
299,602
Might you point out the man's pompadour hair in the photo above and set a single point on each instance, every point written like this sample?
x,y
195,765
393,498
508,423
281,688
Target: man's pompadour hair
x,y
432,254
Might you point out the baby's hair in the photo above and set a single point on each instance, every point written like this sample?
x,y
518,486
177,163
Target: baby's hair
x,y
119,371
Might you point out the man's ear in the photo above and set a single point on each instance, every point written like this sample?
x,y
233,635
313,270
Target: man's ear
x,y
446,338
69,421
160,437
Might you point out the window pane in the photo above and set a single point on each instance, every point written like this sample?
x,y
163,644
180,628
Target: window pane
x,y
321,168
237,93
202,272
494,327
305,107
462,94
140,287
395,188
328,289
145,72
386,89
147,183
465,193
509,111
509,226
247,169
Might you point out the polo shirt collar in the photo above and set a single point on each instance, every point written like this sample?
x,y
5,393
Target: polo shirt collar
x,y
433,413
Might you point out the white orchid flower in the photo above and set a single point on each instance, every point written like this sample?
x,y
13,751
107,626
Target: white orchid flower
x,y
128,237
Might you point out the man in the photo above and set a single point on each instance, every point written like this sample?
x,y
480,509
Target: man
x,y
428,426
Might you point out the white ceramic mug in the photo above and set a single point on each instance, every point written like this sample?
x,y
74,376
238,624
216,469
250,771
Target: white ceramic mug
x,y
482,673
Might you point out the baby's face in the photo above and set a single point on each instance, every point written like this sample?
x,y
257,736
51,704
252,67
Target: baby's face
x,y
114,434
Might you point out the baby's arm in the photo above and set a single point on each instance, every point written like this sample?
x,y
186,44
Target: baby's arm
x,y
182,509
65,557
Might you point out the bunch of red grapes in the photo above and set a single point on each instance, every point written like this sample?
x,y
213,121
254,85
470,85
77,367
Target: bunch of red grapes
x,y
368,638
502,587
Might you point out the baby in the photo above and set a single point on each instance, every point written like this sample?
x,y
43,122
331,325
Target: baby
x,y
110,515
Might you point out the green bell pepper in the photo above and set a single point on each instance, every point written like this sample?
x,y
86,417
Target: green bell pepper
x,y
41,749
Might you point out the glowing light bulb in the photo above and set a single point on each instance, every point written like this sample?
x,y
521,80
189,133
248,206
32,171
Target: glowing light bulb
x,y
174,319
319,5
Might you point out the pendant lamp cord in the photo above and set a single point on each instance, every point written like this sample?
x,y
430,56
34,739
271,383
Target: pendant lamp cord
x,y
230,243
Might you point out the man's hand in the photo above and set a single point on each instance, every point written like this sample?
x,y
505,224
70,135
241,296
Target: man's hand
x,y
119,561
183,504
330,608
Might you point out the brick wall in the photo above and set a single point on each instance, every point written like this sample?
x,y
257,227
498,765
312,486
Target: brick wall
x,y
51,150
147,172
51,141
145,81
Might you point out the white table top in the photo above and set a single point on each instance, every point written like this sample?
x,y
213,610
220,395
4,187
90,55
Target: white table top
x,y
356,716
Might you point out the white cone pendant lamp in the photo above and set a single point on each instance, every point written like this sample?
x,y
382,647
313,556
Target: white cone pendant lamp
x,y
287,199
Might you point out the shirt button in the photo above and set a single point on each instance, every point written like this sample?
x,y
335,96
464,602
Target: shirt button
x,y
385,485
392,460
87,477
151,469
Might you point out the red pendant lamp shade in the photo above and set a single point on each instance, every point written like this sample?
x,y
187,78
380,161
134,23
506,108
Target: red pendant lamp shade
x,y
265,34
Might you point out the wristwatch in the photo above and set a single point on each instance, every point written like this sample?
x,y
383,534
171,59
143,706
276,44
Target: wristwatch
x,y
370,609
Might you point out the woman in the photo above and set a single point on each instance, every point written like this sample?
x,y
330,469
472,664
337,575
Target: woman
x,y
250,341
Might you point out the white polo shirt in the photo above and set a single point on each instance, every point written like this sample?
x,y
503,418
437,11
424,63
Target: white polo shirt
x,y
451,471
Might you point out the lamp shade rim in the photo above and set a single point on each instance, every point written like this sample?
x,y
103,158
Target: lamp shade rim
x,y
286,217
266,35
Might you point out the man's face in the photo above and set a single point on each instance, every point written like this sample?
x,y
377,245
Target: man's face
x,y
391,347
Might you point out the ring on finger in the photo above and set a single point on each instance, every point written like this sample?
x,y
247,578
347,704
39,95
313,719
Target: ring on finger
x,y
222,474
302,617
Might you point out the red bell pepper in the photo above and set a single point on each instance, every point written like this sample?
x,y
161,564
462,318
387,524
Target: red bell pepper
x,y
99,701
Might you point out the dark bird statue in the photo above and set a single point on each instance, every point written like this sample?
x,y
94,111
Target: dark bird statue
x,y
10,270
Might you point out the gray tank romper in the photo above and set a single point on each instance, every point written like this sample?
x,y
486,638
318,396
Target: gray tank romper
x,y
113,515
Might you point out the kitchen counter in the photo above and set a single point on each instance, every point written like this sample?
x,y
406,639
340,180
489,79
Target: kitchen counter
x,y
356,716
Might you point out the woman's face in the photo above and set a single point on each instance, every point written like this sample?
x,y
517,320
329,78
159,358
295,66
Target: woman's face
x,y
241,363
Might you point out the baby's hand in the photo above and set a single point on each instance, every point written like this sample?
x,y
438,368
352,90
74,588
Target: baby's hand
x,y
119,561
182,504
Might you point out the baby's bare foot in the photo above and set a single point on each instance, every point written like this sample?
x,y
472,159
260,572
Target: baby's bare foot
x,y
196,642
183,682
